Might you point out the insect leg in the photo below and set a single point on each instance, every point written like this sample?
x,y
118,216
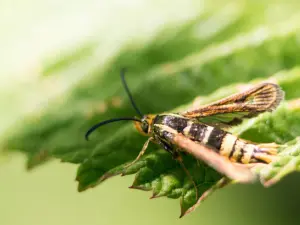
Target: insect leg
x,y
140,154
176,155
180,160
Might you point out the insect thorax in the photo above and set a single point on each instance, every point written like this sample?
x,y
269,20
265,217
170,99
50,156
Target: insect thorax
x,y
166,125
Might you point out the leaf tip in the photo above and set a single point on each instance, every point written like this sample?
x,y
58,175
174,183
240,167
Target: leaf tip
x,y
82,187
155,195
138,188
131,187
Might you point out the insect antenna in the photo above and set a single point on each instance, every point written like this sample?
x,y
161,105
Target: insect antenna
x,y
122,118
129,93
106,122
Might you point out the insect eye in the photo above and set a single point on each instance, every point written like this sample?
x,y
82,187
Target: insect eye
x,y
145,126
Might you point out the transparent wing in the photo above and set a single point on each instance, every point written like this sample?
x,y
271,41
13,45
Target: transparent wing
x,y
232,110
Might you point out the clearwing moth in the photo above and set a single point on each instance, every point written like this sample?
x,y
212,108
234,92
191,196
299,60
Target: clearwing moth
x,y
202,132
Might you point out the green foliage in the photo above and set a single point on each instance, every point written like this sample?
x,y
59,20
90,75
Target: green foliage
x,y
170,74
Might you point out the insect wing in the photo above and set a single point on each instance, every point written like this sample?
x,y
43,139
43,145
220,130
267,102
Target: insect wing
x,y
219,163
232,110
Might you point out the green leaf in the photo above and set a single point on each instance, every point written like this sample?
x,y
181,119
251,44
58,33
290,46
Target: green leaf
x,y
288,162
181,67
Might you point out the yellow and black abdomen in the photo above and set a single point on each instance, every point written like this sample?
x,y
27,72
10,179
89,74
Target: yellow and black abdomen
x,y
226,144
223,142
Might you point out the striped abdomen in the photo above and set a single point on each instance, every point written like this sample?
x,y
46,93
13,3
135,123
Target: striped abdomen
x,y
228,145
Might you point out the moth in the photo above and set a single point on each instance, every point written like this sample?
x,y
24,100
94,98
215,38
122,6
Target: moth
x,y
207,125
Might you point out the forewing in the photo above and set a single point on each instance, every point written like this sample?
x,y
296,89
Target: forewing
x,y
232,110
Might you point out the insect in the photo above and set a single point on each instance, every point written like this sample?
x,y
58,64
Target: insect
x,y
207,125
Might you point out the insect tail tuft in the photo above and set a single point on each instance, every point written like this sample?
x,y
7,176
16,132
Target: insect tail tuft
x,y
267,152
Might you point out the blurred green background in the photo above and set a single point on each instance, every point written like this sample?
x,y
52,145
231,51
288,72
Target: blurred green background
x,y
48,47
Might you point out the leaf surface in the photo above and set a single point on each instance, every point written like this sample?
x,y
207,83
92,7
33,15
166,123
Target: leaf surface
x,y
206,66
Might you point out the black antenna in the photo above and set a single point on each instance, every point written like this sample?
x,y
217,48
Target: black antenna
x,y
106,122
117,119
123,70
